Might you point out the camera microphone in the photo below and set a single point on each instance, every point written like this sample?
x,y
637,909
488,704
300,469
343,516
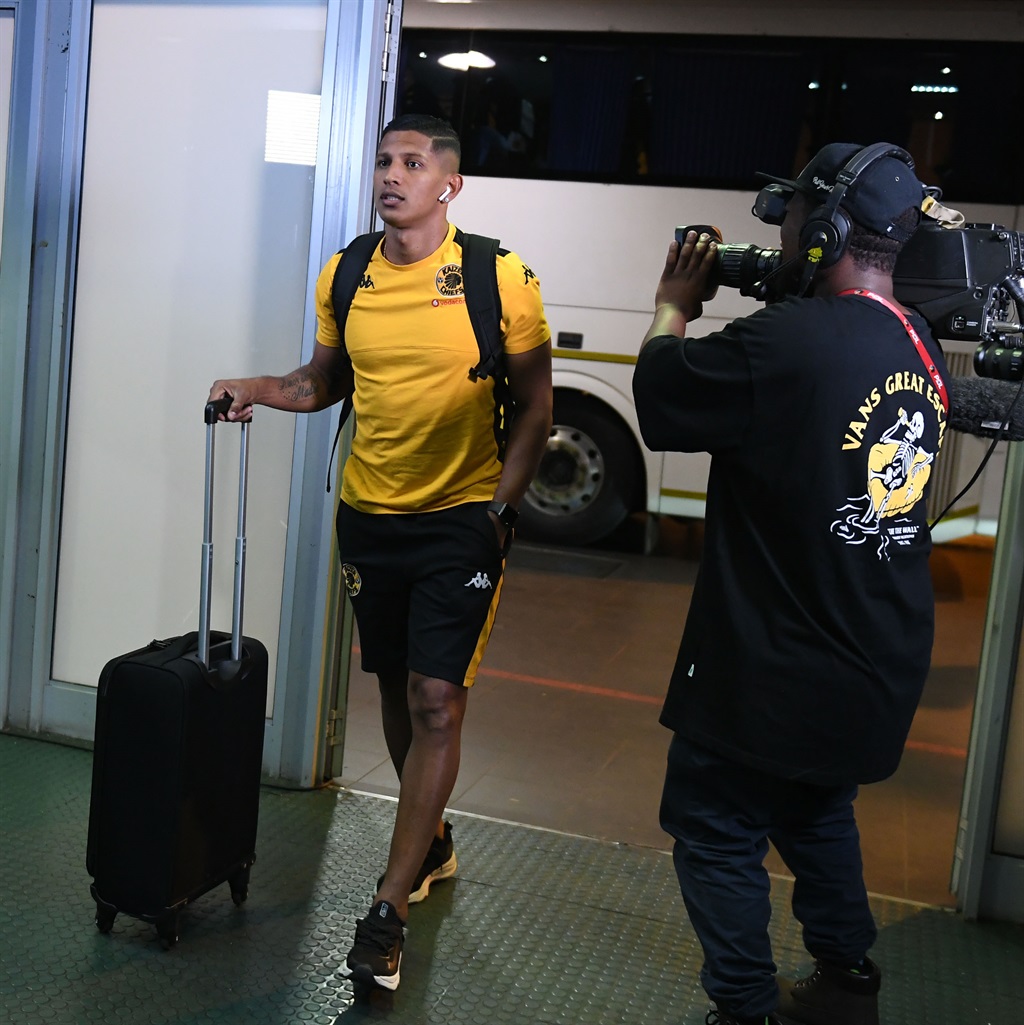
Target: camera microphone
x,y
760,288
985,408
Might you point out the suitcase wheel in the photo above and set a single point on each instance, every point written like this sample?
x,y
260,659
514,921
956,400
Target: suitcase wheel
x,y
105,913
239,884
167,930
105,916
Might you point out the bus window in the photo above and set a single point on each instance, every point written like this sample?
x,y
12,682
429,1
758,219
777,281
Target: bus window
x,y
583,150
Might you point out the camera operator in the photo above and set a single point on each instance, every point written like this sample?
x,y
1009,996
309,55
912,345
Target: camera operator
x,y
810,629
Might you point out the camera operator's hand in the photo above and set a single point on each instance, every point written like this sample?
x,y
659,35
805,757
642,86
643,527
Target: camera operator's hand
x,y
684,281
683,285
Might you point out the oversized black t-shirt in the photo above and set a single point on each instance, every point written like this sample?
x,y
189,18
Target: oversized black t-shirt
x,y
810,628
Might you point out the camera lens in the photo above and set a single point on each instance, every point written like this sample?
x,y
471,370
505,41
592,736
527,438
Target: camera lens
x,y
745,267
1002,362
738,265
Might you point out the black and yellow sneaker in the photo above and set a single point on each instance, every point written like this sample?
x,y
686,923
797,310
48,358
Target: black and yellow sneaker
x,y
440,863
376,955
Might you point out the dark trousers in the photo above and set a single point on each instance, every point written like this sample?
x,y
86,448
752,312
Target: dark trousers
x,y
722,815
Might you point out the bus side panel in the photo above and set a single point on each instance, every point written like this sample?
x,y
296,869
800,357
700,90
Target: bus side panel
x,y
599,251
603,246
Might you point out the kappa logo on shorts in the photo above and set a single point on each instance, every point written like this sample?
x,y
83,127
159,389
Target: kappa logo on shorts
x,y
479,581
353,581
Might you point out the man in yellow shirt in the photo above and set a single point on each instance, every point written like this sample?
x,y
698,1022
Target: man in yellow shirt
x,y
427,500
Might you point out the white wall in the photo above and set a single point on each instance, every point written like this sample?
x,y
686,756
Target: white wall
x,y
192,266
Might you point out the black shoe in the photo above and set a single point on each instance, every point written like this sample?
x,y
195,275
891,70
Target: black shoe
x,y
376,955
440,863
832,996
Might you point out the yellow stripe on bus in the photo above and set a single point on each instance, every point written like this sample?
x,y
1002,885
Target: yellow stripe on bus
x,y
673,493
595,357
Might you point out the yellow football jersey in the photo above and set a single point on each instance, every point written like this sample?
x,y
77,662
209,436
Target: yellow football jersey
x,y
425,432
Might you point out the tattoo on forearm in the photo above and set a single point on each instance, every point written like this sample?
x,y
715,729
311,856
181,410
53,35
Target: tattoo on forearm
x,y
298,385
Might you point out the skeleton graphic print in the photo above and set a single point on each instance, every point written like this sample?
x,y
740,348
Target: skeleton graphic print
x,y
897,468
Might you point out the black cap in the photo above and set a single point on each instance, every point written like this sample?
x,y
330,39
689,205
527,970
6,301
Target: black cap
x,y
882,191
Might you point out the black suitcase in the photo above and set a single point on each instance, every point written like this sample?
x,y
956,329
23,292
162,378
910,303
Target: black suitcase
x,y
178,755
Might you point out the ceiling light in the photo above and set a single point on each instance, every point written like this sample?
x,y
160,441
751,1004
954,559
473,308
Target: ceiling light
x,y
465,61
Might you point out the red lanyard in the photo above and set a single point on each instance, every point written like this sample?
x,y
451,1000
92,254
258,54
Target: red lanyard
x,y
933,372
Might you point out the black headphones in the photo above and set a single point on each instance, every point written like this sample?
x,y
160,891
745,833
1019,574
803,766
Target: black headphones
x,y
828,227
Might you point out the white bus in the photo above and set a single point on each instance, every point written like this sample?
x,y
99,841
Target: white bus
x,y
592,129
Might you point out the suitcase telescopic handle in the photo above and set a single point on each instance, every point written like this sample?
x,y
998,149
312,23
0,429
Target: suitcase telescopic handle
x,y
213,410
215,407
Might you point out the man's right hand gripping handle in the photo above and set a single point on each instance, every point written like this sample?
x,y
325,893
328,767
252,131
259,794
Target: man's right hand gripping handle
x,y
242,394
327,378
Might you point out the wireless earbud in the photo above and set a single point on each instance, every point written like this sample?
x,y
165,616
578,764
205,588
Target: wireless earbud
x,y
443,198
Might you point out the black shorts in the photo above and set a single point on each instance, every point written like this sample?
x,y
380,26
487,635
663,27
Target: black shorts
x,y
424,587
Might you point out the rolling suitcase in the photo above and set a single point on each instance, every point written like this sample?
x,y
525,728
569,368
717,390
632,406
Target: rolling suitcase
x,y
178,754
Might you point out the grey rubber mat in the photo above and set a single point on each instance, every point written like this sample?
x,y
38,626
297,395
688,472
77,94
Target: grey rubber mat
x,y
537,927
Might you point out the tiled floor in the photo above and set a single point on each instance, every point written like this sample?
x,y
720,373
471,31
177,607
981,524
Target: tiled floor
x,y
562,728
536,928
539,926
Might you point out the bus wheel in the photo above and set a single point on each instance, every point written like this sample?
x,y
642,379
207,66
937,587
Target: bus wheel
x,y
587,479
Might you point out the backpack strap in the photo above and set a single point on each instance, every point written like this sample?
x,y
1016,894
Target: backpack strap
x,y
348,275
483,304
483,301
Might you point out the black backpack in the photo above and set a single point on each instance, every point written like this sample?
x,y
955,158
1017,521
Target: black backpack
x,y
483,303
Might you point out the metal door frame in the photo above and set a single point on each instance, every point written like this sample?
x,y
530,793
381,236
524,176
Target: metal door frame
x,y
990,885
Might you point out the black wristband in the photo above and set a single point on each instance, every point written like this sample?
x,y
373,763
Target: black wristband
x,y
507,514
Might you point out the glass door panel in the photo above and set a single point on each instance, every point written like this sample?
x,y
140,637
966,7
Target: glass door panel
x,y
192,266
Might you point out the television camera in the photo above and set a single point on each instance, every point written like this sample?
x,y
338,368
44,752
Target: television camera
x,y
967,282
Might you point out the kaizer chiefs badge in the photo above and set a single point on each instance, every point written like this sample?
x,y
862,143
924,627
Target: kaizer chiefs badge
x,y
353,581
449,280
